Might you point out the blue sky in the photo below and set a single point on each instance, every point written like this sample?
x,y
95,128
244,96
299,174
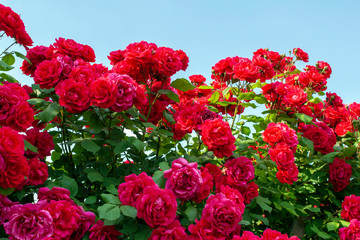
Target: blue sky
x,y
207,30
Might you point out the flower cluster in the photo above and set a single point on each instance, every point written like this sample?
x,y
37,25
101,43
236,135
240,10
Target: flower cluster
x,y
350,212
55,216
13,26
15,112
283,142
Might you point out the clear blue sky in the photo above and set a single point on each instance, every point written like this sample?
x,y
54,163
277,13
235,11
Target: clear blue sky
x,y
208,30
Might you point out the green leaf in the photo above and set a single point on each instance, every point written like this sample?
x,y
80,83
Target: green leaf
x,y
35,101
309,144
29,146
22,56
192,213
164,166
261,218
144,233
169,117
226,93
344,223
8,78
332,226
90,200
182,84
6,191
128,211
246,96
290,208
245,130
109,198
50,112
70,184
90,145
303,117
214,97
121,147
139,145
95,177
159,179
109,212
260,99
4,66
111,189
315,100
9,59
263,202
205,87
170,94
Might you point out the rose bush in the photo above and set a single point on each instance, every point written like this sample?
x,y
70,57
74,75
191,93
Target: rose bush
x,y
129,152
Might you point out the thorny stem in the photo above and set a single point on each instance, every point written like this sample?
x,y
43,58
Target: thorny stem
x,y
8,48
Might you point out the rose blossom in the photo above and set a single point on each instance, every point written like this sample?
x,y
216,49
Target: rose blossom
x,y
352,232
206,187
126,92
283,156
133,187
239,171
184,179
157,206
173,231
56,193
217,136
75,96
203,230
222,213
103,232
5,205
351,208
103,92
47,73
27,222
38,172
11,142
288,176
340,174
42,140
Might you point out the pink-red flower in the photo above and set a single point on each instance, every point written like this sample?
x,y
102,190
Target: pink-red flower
x,y
103,232
157,206
340,174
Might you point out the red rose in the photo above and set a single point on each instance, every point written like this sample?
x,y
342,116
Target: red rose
x,y
246,235
340,174
197,79
103,92
300,54
167,62
342,128
280,132
217,136
322,136
75,96
133,188
183,58
88,54
239,171
351,208
245,70
184,179
295,97
10,99
234,195
22,118
250,192
352,232
270,234
203,230
38,172
36,55
283,156
289,176
56,193
157,206
222,213
66,217
15,172
43,141
104,232
126,92
47,73
206,187
116,56
83,73
173,231
11,142
69,47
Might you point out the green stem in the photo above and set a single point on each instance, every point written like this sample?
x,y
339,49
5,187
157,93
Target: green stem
x,y
8,48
